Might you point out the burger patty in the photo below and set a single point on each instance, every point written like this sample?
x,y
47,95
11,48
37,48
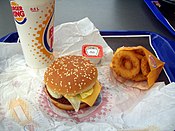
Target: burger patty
x,y
62,100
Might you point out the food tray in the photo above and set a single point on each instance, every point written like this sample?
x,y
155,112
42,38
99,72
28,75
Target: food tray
x,y
167,21
162,47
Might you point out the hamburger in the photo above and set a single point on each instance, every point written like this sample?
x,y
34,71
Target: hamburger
x,y
71,82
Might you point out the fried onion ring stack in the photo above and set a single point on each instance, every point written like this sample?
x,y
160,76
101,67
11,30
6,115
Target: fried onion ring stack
x,y
131,64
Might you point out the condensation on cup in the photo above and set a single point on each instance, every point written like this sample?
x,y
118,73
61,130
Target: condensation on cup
x,y
35,25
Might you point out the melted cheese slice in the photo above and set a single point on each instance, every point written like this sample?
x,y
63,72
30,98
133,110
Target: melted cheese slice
x,y
90,100
75,101
87,93
89,97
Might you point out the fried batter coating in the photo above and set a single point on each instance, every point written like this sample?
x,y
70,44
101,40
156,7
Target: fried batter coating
x,y
126,64
145,68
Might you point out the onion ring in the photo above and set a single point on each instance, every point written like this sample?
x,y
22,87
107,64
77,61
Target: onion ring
x,y
140,52
145,68
118,64
139,77
128,64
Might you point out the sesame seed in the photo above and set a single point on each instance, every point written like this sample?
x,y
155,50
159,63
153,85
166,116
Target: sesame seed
x,y
85,75
65,65
61,62
90,78
76,70
61,83
79,85
68,75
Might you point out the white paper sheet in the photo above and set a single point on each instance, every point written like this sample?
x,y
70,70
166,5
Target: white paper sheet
x,y
118,108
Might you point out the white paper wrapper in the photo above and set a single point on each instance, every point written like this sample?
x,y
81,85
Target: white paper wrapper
x,y
24,105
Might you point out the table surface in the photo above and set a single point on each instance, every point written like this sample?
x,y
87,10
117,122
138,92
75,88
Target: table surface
x,y
105,14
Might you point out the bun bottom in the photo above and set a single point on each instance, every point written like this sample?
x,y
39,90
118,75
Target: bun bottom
x,y
63,106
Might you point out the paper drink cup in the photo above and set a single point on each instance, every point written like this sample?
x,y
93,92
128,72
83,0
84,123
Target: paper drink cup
x,y
35,25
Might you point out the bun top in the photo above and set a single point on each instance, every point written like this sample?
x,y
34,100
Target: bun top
x,y
70,75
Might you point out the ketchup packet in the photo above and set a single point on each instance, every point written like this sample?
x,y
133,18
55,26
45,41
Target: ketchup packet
x,y
93,52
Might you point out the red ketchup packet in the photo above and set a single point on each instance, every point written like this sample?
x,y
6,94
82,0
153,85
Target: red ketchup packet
x,y
93,52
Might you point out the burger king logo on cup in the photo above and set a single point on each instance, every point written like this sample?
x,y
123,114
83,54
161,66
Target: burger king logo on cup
x,y
49,42
18,13
34,20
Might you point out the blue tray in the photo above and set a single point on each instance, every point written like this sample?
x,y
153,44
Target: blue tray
x,y
12,37
159,15
164,48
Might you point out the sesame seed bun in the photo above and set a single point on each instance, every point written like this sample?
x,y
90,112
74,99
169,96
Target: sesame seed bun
x,y
71,75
